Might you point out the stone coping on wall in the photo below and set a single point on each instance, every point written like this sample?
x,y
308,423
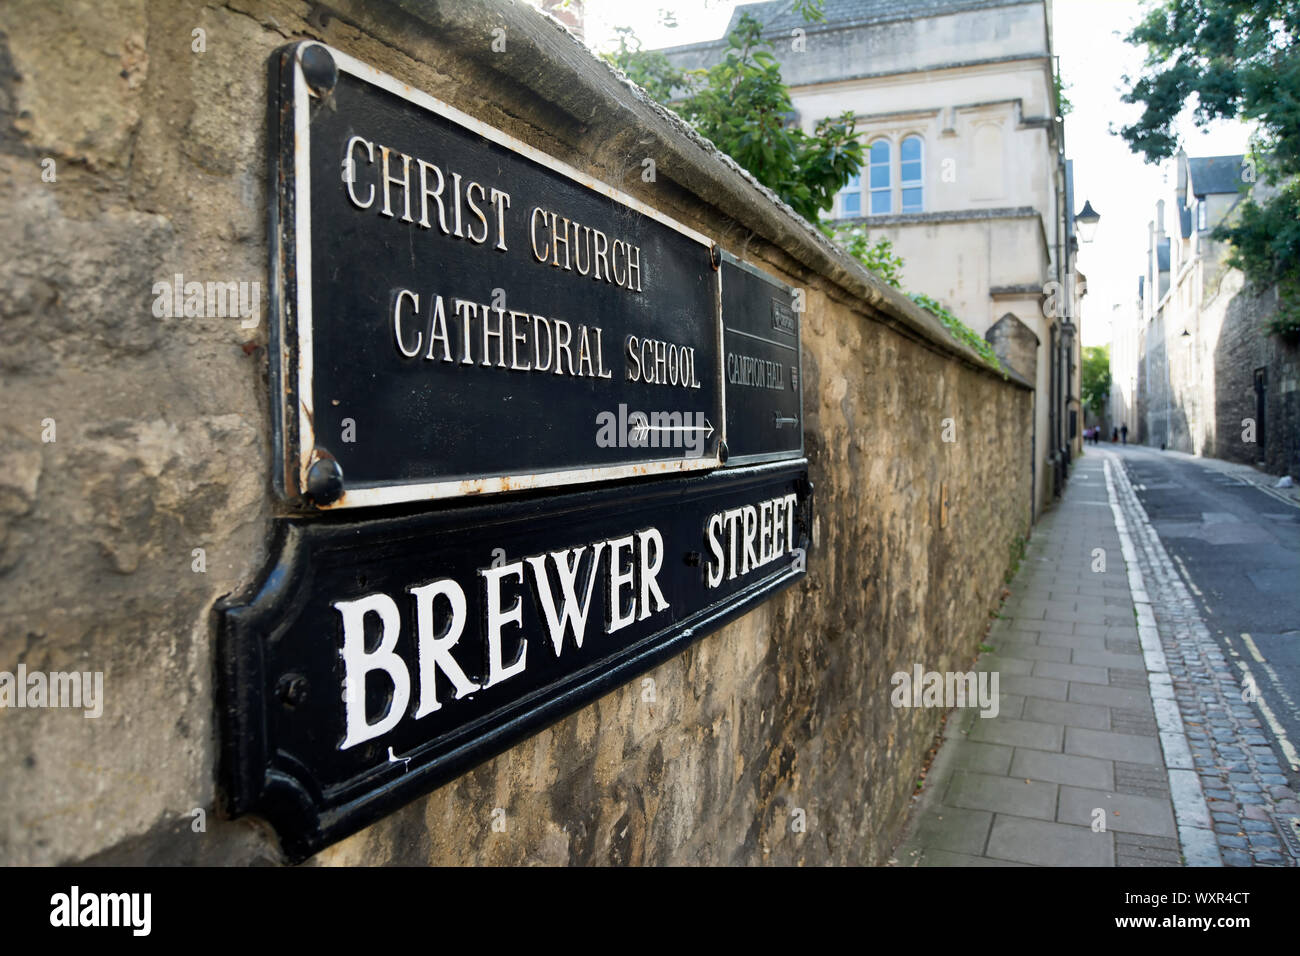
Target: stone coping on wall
x,y
574,102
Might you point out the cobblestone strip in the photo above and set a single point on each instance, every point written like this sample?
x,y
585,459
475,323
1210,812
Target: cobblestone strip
x,y
1220,763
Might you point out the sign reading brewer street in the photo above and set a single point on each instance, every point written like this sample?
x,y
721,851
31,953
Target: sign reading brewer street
x,y
378,659
460,314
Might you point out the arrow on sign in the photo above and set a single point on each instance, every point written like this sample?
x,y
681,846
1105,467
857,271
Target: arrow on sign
x,y
782,420
640,429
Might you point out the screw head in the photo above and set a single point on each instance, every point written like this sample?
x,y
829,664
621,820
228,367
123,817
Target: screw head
x,y
325,481
319,69
715,256
723,452
292,689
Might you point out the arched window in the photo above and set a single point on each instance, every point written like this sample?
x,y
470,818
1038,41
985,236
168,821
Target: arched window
x,y
879,178
911,174
851,198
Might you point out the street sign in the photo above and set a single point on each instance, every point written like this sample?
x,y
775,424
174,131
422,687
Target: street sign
x,y
377,659
457,313
460,316
761,363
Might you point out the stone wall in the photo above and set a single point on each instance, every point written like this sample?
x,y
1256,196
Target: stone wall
x,y
1242,348
1197,373
160,447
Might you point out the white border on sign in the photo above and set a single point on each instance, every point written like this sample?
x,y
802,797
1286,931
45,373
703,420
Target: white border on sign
x,y
431,490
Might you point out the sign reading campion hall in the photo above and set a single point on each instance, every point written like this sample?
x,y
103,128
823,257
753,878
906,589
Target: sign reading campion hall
x,y
461,314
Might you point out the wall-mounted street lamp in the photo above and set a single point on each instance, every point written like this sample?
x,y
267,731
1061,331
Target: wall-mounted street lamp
x,y
1087,222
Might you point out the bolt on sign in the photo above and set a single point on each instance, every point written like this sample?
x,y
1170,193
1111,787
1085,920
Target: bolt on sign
x,y
589,415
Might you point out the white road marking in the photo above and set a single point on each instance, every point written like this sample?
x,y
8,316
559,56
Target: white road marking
x,y
1288,750
1187,576
1278,687
1185,793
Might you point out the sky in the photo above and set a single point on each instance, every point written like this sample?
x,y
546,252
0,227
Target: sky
x,y
1088,38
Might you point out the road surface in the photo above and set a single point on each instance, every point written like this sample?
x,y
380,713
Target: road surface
x,y
1237,548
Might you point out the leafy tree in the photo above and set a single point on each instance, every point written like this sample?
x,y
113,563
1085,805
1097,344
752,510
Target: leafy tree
x,y
650,69
744,107
879,256
1094,387
1236,59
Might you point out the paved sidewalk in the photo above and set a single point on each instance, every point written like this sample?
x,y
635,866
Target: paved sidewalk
x,y
1073,771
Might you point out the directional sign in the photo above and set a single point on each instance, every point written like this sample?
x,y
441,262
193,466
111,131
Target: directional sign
x,y
458,313
762,365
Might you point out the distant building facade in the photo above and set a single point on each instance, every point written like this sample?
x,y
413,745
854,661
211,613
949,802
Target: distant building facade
x,y
1195,371
965,170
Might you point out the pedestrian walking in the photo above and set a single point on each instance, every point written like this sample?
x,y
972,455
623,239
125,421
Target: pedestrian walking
x,y
1123,433
1114,435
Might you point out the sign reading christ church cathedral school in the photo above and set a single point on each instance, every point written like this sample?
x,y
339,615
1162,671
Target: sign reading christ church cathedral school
x,y
561,434
464,315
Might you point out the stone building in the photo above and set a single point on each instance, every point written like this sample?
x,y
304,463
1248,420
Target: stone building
x,y
965,173
1196,371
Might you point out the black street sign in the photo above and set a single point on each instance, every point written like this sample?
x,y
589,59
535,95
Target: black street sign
x,y
377,659
761,363
458,313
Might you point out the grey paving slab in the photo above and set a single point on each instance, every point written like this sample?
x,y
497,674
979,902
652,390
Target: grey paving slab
x,y
981,757
1034,652
1034,687
1063,768
1082,629
1112,746
959,723
1016,638
1066,714
1056,638
1125,698
982,791
1095,658
1045,843
1071,672
955,829
1126,813
1009,705
931,857
1018,733
1004,664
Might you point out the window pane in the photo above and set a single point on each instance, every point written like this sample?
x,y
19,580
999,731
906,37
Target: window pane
x,y
912,200
911,149
879,177
879,203
854,183
911,172
851,204
879,152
